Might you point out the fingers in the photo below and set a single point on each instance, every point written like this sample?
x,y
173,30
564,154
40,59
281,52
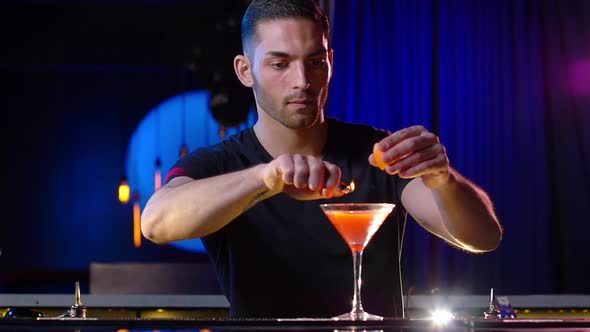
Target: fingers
x,y
399,136
301,171
332,181
286,169
400,144
410,152
317,174
431,160
409,146
308,175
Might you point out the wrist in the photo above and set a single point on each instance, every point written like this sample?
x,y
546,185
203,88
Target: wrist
x,y
267,179
440,180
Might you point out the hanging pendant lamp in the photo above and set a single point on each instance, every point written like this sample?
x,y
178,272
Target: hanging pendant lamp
x,y
124,190
136,221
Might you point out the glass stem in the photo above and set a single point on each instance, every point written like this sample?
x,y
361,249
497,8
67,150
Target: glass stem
x,y
357,261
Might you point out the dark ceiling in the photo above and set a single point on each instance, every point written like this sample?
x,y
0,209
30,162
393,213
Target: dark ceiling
x,y
129,32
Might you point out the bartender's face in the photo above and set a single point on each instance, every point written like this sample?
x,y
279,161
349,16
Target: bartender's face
x,y
291,67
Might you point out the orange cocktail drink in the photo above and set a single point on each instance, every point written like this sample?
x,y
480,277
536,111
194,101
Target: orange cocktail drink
x,y
357,227
357,223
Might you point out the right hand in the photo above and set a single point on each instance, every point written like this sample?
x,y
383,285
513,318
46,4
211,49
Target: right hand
x,y
302,177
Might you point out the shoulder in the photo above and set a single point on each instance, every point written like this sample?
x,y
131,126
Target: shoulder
x,y
238,143
353,138
218,151
214,159
350,129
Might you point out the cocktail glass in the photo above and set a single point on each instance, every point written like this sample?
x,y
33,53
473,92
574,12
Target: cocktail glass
x,y
357,223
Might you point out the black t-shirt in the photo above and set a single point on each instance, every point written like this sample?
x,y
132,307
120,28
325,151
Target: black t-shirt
x,y
282,257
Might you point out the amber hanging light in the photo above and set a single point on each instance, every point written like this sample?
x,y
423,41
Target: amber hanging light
x,y
124,190
136,221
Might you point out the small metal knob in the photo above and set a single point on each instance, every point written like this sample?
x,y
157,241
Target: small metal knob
x,y
77,310
493,312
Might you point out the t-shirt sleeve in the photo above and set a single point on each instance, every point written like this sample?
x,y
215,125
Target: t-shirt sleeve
x,y
199,164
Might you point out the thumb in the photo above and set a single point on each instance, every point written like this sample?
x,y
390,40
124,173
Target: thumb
x,y
272,177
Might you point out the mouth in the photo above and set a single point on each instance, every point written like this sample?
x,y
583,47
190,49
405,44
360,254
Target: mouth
x,y
300,101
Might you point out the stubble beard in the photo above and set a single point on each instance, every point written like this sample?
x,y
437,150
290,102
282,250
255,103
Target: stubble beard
x,y
285,117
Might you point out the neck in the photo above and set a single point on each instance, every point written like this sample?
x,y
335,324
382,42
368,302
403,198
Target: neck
x,y
278,139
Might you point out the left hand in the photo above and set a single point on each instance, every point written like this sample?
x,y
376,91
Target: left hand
x,y
412,152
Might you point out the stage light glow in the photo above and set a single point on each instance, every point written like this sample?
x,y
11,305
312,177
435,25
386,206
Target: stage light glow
x,y
441,316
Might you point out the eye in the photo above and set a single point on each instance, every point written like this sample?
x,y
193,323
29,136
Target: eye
x,y
319,62
278,64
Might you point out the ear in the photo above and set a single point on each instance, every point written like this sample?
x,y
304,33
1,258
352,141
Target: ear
x,y
243,70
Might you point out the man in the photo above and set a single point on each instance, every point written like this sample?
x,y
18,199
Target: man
x,y
254,198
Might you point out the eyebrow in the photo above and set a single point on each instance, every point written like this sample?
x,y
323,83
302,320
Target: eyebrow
x,y
287,55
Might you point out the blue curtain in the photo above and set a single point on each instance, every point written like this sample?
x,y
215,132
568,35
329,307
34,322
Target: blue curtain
x,y
506,86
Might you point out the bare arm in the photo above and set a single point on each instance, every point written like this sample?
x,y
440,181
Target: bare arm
x,y
186,208
440,199
458,211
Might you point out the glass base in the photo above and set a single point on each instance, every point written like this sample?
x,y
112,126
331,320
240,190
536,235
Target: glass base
x,y
357,315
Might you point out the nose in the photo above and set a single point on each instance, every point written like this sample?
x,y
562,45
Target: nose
x,y
300,77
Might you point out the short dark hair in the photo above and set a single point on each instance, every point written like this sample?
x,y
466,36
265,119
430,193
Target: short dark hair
x,y
268,10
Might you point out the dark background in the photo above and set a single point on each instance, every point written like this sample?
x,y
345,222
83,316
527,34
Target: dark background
x,y
78,76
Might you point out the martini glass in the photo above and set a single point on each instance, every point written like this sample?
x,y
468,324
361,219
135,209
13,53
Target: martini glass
x,y
357,223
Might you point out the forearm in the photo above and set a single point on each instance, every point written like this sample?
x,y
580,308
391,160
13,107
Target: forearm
x,y
468,214
200,207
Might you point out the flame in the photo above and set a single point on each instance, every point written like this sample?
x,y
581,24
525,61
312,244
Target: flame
x,y
351,186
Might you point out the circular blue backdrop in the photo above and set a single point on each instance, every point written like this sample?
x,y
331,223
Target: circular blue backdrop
x,y
184,118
